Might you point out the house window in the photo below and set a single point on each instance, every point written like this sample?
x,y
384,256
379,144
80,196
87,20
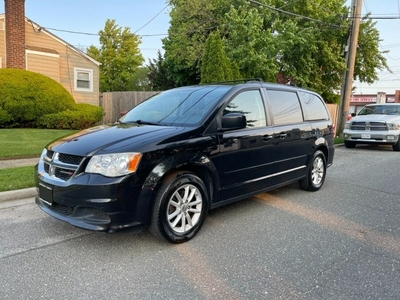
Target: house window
x,y
83,80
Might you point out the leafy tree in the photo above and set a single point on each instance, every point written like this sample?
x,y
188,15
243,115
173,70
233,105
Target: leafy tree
x,y
250,43
158,74
301,43
310,47
369,58
119,56
191,23
139,80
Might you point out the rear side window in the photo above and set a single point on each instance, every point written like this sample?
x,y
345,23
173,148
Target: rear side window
x,y
313,107
285,107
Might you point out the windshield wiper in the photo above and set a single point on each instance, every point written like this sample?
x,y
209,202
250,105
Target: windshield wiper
x,y
143,122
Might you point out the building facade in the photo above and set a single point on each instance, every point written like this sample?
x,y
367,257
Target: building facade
x,y
358,101
26,45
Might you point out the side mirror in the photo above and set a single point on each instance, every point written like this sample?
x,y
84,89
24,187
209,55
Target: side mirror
x,y
353,114
233,121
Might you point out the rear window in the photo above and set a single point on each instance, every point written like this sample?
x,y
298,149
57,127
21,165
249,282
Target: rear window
x,y
313,107
285,107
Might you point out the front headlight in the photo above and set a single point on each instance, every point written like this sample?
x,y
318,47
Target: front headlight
x,y
346,125
393,126
114,165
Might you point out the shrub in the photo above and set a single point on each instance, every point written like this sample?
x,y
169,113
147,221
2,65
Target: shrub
x,y
26,96
4,117
80,117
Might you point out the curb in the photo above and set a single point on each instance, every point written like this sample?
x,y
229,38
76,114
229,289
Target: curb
x,y
17,194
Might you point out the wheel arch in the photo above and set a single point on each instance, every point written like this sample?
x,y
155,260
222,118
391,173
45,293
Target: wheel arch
x,y
199,165
322,145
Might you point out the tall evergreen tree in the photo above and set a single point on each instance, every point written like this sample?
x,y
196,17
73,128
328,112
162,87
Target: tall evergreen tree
x,y
216,66
158,74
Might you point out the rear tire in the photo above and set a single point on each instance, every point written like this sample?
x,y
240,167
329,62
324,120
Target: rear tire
x,y
180,207
316,172
349,144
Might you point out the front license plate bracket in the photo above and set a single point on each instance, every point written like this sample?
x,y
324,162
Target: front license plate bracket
x,y
46,194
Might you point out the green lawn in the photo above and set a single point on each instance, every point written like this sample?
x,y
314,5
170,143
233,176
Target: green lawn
x,y
16,178
23,143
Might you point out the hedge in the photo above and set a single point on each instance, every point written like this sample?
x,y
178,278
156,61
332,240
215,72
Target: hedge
x,y
29,99
26,96
81,117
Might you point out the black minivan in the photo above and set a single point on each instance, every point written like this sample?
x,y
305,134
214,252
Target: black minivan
x,y
183,152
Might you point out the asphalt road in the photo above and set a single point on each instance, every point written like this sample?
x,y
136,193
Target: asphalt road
x,y
342,242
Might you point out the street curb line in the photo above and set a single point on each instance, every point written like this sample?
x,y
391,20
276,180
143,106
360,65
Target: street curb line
x,y
17,194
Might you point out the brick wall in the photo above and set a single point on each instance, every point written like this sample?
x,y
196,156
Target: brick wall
x,y
15,33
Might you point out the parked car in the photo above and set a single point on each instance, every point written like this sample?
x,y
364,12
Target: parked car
x,y
377,124
183,152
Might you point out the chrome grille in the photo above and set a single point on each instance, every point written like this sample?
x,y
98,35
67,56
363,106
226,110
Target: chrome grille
x,y
50,154
63,174
60,165
369,126
70,159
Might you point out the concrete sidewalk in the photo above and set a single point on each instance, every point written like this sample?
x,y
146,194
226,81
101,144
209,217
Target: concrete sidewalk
x,y
15,163
22,193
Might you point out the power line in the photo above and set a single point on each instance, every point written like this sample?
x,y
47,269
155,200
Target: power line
x,y
152,19
293,14
69,31
96,34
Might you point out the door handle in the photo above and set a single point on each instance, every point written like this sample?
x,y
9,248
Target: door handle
x,y
267,137
281,135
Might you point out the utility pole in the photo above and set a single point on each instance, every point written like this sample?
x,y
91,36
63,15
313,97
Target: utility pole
x,y
351,48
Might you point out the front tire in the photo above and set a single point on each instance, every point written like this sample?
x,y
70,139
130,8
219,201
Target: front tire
x,y
180,207
349,144
396,147
316,172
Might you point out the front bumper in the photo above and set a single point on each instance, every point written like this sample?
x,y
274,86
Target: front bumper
x,y
371,137
94,202
91,218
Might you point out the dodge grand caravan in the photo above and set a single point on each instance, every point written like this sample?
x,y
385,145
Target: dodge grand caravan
x,y
183,152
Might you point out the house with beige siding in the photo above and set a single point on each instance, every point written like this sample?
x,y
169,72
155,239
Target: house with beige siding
x,y
45,53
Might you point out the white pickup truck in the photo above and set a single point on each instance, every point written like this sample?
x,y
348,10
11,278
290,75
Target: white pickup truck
x,y
375,124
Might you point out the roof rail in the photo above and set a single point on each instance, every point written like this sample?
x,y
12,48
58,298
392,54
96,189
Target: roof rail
x,y
244,80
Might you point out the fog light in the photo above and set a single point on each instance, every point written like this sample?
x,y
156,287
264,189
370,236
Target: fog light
x,y
390,137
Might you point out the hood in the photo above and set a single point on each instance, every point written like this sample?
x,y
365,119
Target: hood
x,y
109,139
376,118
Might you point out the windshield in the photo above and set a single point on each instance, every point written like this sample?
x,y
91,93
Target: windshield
x,y
186,106
380,110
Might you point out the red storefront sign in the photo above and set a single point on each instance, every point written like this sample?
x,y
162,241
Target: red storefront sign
x,y
363,99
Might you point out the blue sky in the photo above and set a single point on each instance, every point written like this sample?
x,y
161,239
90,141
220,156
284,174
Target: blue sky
x,y
150,19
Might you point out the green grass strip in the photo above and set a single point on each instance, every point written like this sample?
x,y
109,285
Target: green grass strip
x,y
24,143
17,178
